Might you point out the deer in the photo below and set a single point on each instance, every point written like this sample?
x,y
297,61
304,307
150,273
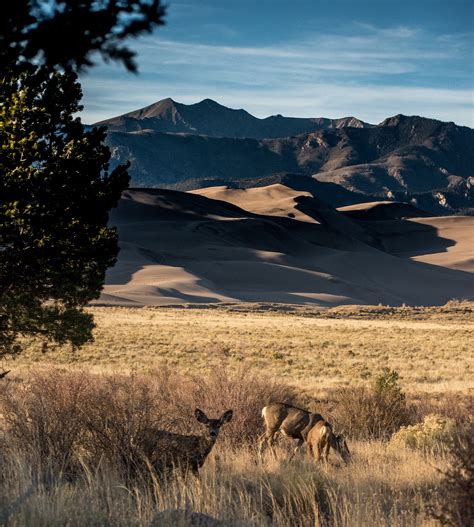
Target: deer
x,y
321,438
185,452
289,420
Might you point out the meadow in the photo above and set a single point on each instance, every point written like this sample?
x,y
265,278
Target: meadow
x,y
314,350
72,421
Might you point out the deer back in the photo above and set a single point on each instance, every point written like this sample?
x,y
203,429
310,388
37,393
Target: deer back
x,y
177,450
293,422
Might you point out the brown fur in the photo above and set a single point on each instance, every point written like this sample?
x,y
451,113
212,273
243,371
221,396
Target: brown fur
x,y
321,439
185,452
290,420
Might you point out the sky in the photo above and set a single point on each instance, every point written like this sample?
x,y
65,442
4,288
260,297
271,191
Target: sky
x,y
302,58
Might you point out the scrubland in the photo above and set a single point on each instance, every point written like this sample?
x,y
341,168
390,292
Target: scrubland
x,y
431,348
72,421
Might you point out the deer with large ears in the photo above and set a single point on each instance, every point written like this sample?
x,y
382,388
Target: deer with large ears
x,y
186,452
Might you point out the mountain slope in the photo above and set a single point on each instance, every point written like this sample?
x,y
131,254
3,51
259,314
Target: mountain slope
x,y
428,162
211,118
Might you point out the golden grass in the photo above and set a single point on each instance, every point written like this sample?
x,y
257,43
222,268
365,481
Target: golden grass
x,y
386,484
381,487
312,349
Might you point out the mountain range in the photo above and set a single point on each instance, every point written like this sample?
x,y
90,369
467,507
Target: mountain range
x,y
213,119
423,161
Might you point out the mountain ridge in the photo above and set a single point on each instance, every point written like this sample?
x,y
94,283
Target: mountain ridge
x,y
427,162
208,117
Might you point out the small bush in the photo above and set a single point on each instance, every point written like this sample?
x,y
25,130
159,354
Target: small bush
x,y
43,417
455,504
434,433
375,412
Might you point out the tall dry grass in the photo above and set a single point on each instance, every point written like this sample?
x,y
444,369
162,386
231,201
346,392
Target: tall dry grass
x,y
70,448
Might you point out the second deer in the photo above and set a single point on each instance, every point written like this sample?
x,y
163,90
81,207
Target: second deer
x,y
321,439
168,451
306,427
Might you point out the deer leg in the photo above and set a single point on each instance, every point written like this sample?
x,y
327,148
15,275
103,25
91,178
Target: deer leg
x,y
317,452
268,439
298,446
326,452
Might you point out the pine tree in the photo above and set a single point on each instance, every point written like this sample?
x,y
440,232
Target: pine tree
x,y
56,189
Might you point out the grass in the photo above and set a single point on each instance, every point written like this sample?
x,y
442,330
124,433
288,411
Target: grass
x,y
312,350
381,487
55,473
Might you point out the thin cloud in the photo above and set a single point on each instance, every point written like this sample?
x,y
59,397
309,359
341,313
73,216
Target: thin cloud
x,y
371,73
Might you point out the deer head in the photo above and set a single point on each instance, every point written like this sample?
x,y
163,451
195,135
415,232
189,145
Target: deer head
x,y
213,425
342,448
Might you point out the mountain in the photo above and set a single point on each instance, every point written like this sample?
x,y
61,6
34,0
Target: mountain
x,y
211,118
426,162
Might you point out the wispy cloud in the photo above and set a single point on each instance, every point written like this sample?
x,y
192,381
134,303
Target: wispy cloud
x,y
370,72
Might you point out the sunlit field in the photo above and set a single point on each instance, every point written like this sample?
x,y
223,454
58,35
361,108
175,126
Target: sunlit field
x,y
431,348
70,418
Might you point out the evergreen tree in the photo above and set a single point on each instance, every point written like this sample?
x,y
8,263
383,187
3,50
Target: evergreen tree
x,y
56,189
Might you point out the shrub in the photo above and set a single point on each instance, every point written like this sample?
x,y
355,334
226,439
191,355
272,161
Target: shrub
x,y
71,418
455,504
434,433
375,412
242,391
43,417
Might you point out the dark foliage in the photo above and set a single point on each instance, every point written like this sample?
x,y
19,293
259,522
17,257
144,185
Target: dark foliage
x,y
56,189
65,34
455,506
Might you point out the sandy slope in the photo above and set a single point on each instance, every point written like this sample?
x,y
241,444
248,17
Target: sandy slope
x,y
447,241
272,200
185,248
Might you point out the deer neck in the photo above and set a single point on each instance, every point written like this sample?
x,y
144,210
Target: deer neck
x,y
206,444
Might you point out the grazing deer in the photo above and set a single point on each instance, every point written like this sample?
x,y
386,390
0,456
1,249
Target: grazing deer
x,y
290,420
321,439
186,452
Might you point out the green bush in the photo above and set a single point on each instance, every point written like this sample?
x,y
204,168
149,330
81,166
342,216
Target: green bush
x,y
375,412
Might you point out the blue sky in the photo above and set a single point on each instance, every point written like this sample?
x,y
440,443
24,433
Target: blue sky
x,y
303,58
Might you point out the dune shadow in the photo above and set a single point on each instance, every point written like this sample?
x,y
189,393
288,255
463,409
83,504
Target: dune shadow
x,y
250,257
405,238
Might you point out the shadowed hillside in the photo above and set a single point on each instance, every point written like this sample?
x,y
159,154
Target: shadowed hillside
x,y
183,248
424,161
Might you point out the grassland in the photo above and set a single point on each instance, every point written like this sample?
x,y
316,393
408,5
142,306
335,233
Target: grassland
x,y
314,350
230,357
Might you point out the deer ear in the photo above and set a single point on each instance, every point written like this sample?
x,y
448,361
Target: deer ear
x,y
226,417
201,416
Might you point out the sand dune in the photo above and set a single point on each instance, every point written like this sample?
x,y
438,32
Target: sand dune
x,y
381,210
272,200
180,248
447,241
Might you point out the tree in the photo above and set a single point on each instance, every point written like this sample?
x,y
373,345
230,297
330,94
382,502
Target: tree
x,y
56,189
